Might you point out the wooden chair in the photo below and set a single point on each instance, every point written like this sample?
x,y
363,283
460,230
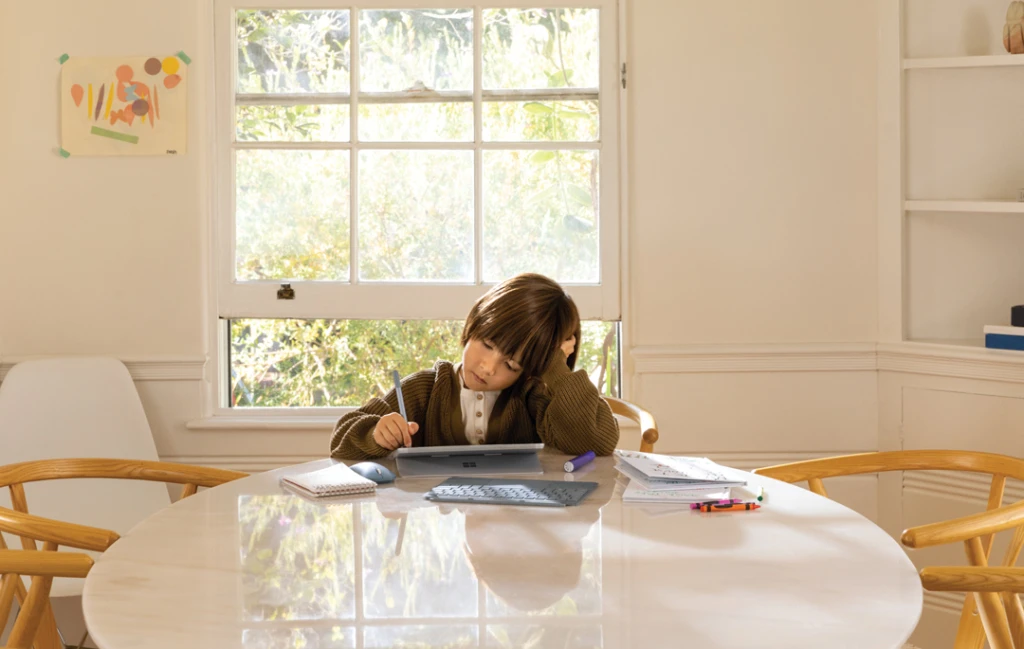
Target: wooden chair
x,y
42,567
997,591
644,419
32,529
976,532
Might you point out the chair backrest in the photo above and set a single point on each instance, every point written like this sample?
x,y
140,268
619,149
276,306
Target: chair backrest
x,y
644,419
42,567
78,407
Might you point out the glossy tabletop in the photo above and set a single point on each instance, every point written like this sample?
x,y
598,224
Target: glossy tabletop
x,y
251,564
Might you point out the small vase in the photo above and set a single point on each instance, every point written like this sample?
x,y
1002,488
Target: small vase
x,y
1013,30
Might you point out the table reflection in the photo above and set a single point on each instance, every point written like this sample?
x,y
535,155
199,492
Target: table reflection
x,y
339,574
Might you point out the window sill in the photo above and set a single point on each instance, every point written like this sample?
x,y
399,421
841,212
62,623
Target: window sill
x,y
264,422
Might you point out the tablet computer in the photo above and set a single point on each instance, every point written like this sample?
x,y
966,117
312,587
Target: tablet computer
x,y
468,459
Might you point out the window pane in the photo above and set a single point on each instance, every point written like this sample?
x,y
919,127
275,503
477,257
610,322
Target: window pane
x,y
541,120
431,538
438,634
433,122
293,51
332,637
307,363
541,48
416,215
541,215
421,49
297,559
292,215
303,363
317,123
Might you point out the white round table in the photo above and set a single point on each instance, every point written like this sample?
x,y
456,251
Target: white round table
x,y
251,564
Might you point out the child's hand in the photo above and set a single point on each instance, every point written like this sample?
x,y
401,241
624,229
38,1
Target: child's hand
x,y
569,346
392,431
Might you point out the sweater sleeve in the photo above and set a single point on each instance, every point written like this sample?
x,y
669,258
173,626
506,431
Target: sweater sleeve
x,y
353,434
569,412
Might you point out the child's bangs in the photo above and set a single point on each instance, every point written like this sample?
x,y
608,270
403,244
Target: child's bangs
x,y
513,339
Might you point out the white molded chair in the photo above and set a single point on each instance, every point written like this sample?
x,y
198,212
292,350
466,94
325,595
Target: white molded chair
x,y
78,408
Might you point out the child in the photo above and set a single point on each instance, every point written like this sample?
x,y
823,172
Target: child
x,y
515,384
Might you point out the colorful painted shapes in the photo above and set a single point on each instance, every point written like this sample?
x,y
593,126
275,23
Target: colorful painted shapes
x,y
99,103
125,73
140,107
153,66
114,135
171,65
171,81
77,92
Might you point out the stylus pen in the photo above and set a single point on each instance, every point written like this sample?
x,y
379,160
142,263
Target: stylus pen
x,y
398,392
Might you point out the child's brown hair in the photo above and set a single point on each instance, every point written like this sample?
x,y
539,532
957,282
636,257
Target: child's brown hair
x,y
528,315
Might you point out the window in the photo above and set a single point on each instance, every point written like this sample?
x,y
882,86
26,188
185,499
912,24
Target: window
x,y
380,167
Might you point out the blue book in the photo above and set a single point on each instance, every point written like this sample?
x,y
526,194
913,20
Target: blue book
x,y
1004,341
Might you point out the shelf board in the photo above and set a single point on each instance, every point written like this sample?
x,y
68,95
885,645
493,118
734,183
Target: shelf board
x,y
1000,207
958,343
993,61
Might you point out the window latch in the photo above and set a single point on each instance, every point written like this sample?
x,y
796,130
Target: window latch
x,y
286,292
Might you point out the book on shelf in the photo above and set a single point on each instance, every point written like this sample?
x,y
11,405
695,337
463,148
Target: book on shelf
x,y
1002,337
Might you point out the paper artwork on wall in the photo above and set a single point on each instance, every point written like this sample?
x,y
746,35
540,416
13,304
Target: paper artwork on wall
x,y
123,105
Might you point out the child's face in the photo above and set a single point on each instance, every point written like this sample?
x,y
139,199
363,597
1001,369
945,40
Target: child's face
x,y
484,367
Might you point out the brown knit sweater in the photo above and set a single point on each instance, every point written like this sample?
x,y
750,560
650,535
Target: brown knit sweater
x,y
564,410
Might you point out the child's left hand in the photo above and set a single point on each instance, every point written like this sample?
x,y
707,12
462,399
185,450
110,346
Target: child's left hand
x,y
569,346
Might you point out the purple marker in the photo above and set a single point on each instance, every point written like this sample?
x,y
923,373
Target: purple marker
x,y
730,501
579,461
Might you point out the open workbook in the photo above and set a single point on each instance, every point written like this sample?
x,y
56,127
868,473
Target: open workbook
x,y
335,480
656,472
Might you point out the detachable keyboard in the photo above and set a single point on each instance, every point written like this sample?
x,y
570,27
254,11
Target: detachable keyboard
x,y
510,491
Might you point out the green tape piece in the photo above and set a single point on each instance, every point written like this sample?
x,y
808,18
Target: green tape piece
x,y
63,153
184,57
63,58
114,135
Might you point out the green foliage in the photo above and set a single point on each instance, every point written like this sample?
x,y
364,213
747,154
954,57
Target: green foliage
x,y
308,363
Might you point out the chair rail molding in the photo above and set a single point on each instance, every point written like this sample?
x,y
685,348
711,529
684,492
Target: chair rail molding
x,y
157,368
906,358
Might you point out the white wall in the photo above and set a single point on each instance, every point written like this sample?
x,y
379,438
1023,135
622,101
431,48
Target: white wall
x,y
753,236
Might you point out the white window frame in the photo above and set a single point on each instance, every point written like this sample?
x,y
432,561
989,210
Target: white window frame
x,y
230,299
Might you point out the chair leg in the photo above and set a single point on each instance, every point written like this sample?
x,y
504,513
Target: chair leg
x,y
81,643
47,635
1015,616
969,632
993,618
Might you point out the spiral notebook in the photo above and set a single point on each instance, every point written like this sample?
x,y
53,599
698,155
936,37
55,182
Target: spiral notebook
x,y
335,480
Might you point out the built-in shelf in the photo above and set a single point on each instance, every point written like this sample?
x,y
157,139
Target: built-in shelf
x,y
1001,207
994,61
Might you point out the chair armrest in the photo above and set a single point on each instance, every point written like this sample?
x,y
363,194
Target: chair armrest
x,y
59,532
973,579
965,527
45,564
